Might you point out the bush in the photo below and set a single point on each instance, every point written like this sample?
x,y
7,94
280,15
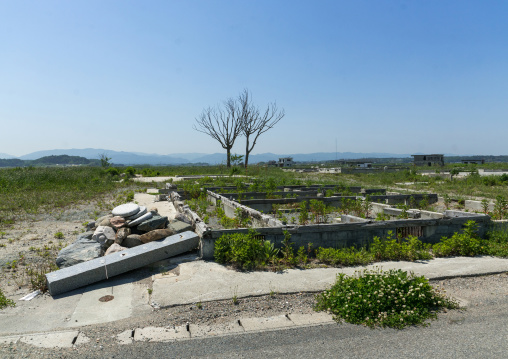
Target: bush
x,y
409,249
113,172
344,256
130,171
467,243
496,244
244,251
387,299
4,302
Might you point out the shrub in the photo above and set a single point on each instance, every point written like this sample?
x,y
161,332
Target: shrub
x,y
466,243
243,250
496,244
344,256
387,299
397,249
130,171
113,172
4,302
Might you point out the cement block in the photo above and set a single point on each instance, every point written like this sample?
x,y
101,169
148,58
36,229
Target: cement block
x,y
157,334
51,340
124,337
85,273
311,319
215,330
254,324
11,339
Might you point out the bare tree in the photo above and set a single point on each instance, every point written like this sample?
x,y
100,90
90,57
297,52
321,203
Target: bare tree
x,y
223,124
255,123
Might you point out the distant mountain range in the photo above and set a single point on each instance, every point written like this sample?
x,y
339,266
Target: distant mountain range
x,y
138,158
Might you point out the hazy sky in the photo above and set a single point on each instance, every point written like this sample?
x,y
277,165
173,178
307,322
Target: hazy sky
x,y
371,76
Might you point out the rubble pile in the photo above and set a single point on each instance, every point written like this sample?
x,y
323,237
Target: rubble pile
x,y
129,225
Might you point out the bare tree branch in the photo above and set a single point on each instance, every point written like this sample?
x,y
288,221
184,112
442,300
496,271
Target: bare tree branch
x,y
224,124
255,123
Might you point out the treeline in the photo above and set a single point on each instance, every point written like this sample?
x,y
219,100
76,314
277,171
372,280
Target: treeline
x,y
61,160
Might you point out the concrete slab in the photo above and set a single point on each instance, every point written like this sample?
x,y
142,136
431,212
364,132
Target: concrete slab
x,y
98,269
165,208
125,337
197,331
157,334
42,313
255,324
206,281
311,319
90,310
81,339
51,340
11,339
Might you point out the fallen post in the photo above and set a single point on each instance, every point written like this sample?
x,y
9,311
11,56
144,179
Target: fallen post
x,y
101,268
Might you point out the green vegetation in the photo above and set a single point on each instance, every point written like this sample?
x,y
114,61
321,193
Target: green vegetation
x,y
250,251
49,161
4,302
33,272
393,299
28,191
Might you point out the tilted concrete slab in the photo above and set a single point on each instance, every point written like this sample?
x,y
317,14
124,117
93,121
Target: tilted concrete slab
x,y
276,322
98,269
64,339
157,334
311,319
207,281
200,330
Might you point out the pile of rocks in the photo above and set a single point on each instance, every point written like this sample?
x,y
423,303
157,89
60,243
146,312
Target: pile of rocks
x,y
129,225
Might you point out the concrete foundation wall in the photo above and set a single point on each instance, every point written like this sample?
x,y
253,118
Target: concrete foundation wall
x,y
349,234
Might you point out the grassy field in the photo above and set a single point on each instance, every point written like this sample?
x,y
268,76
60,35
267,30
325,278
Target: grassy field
x,y
29,191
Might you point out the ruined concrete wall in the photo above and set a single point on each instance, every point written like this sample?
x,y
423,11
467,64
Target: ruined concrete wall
x,y
349,234
230,207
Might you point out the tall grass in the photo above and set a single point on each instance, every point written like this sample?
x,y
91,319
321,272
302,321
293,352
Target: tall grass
x,y
34,190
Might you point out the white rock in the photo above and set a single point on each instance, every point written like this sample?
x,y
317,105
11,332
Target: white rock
x,y
143,218
104,235
125,210
142,211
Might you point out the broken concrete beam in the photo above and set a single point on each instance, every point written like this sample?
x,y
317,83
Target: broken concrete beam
x,y
101,268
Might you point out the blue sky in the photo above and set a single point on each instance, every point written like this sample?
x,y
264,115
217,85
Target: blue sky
x,y
371,76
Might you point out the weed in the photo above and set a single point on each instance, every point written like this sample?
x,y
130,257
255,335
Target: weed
x,y
467,243
199,305
59,235
390,248
5,302
373,298
303,216
150,291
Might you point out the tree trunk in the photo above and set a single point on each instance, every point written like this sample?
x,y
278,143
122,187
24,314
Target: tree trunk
x,y
247,152
228,151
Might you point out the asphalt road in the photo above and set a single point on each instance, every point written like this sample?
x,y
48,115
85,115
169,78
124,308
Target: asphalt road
x,y
478,332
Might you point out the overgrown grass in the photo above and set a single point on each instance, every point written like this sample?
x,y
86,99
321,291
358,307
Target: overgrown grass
x,y
373,298
33,190
5,302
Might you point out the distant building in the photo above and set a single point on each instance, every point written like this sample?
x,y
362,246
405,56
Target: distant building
x,y
364,165
272,163
428,160
286,162
480,161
